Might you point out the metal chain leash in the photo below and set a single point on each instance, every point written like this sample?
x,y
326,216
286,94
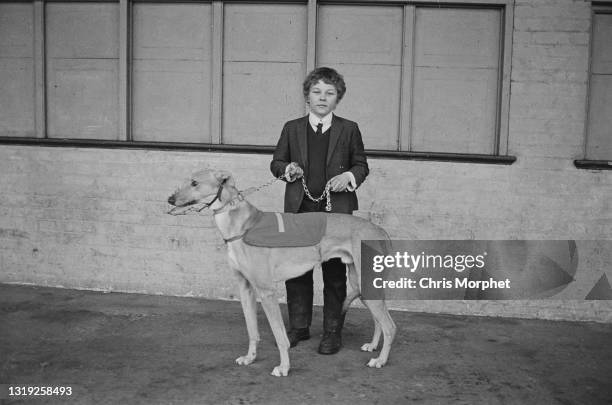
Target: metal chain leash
x,y
241,194
252,190
326,193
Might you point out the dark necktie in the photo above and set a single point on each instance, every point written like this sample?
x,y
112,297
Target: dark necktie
x,y
320,128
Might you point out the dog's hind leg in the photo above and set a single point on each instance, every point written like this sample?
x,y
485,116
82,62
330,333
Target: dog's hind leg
x,y
383,319
249,308
275,318
353,278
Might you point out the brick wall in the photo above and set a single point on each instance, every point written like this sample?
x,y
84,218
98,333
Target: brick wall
x,y
94,218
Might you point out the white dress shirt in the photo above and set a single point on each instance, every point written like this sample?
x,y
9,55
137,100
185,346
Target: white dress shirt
x,y
315,121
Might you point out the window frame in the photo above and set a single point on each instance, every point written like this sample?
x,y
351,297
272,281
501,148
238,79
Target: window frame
x,y
599,7
125,140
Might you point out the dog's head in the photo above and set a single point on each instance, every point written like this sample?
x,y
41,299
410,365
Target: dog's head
x,y
199,188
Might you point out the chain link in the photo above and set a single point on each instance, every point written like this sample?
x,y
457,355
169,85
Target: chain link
x,y
252,190
326,193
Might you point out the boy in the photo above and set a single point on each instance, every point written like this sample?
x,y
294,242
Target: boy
x,y
323,148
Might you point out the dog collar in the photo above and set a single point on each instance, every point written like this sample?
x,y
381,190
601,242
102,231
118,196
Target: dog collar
x,y
223,208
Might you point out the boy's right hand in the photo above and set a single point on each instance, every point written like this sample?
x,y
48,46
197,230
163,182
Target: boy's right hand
x,y
293,171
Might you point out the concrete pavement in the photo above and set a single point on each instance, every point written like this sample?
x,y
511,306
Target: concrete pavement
x,y
140,349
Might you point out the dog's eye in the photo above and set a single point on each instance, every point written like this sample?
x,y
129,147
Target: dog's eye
x,y
194,183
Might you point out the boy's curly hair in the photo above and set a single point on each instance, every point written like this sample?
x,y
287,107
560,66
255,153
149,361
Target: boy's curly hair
x,y
327,75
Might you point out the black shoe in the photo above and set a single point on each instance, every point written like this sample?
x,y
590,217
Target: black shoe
x,y
331,343
295,335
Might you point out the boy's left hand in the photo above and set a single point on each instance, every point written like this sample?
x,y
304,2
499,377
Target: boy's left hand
x,y
339,182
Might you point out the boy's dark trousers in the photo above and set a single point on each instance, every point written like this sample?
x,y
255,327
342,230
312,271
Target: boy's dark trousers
x,y
300,289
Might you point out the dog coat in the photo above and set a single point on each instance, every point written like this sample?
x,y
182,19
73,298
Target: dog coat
x,y
275,229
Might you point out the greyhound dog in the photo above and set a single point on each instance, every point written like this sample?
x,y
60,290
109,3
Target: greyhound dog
x,y
259,268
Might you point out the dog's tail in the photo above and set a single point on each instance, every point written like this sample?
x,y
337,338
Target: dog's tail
x,y
387,246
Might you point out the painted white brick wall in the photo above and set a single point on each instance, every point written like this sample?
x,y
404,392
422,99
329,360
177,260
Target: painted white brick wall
x,y
94,218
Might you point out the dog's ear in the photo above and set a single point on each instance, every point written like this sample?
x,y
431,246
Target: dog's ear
x,y
224,177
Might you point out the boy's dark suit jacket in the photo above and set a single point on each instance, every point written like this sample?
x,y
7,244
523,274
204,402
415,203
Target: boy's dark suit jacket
x,y
345,153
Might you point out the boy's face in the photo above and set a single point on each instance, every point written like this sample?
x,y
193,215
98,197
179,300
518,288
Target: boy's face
x,y
322,98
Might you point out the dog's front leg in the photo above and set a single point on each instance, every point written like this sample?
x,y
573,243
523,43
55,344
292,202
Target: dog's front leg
x,y
249,308
275,318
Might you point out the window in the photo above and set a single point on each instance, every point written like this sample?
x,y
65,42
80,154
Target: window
x,y
17,70
456,80
264,62
82,70
422,77
599,125
171,72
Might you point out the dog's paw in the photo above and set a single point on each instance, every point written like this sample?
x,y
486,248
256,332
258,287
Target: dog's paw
x,y
280,371
245,360
368,347
376,363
